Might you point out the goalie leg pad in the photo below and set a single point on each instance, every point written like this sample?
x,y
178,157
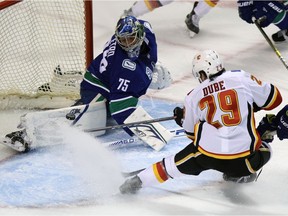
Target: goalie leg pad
x,y
39,124
153,134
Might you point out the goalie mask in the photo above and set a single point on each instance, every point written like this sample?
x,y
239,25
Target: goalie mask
x,y
129,35
207,62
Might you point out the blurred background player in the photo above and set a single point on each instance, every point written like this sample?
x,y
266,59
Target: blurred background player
x,y
199,10
218,116
268,12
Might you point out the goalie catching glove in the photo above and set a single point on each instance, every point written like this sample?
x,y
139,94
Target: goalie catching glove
x,y
161,77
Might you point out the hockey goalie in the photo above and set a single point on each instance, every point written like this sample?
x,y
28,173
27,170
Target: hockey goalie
x,y
88,117
114,81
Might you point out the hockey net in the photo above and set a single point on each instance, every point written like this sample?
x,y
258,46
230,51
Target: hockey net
x,y
45,48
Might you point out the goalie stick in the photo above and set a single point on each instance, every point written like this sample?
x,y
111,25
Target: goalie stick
x,y
113,144
150,133
257,23
130,124
118,143
133,173
139,123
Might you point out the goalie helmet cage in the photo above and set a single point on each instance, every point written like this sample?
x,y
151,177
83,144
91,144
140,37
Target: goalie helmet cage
x,y
45,48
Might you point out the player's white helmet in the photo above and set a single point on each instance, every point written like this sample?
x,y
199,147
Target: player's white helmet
x,y
207,61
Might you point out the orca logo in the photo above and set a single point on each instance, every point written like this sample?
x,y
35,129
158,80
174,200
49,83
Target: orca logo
x,y
128,64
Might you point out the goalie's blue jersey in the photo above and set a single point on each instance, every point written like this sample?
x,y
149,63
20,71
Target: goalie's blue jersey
x,y
119,79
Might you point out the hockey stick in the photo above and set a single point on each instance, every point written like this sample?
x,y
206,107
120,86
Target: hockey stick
x,y
257,23
133,173
177,133
130,124
117,143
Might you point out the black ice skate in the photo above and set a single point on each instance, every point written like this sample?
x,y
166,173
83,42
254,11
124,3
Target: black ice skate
x,y
17,140
244,179
280,36
192,21
131,186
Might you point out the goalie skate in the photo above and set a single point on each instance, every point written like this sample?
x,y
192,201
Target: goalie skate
x,y
17,141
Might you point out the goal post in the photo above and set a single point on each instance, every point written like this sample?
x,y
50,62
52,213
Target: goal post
x,y
45,48
7,3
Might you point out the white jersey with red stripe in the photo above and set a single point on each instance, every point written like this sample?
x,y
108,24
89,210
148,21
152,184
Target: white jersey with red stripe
x,y
226,104
141,7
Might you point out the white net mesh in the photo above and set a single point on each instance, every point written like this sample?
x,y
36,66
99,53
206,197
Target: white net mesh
x,y
42,42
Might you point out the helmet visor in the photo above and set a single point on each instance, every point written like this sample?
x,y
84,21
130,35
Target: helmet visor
x,y
129,33
129,42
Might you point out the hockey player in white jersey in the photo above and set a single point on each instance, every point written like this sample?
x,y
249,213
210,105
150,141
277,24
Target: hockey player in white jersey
x,y
200,9
218,116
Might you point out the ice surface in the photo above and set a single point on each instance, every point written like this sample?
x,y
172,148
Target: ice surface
x,y
81,178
